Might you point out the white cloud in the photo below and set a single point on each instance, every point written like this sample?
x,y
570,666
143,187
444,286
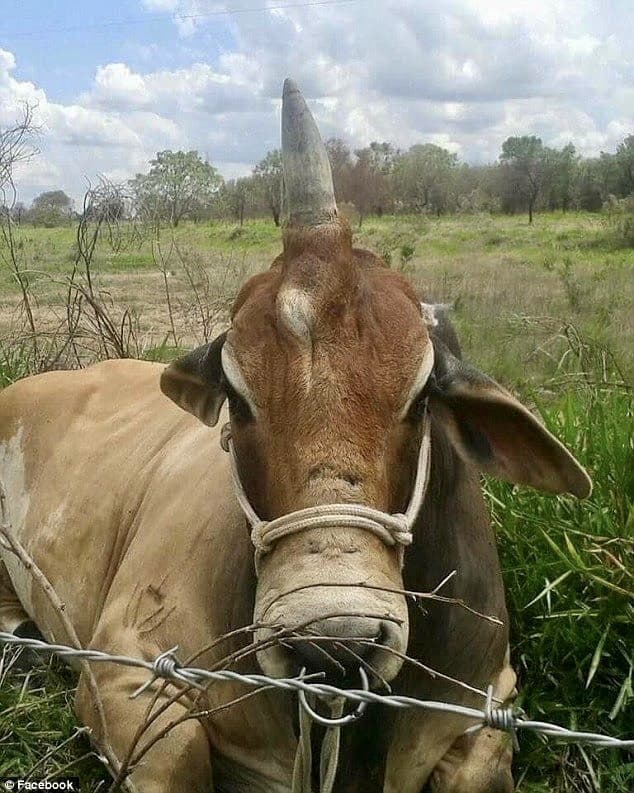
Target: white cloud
x,y
7,61
466,76
118,85
38,172
161,5
81,140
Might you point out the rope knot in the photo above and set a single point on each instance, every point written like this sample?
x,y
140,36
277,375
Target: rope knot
x,y
401,529
258,539
393,530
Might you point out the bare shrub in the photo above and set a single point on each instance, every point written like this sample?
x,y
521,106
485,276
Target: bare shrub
x,y
16,146
579,359
97,327
91,325
210,294
199,288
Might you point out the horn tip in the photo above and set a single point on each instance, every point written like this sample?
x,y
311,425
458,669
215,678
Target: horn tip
x,y
290,87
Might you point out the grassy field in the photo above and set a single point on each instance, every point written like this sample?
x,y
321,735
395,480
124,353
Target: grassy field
x,y
516,287
546,309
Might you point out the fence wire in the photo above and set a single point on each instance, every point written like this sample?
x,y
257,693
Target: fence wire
x,y
167,667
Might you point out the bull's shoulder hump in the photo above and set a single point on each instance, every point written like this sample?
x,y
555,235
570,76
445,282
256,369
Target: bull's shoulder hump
x,y
118,371
68,391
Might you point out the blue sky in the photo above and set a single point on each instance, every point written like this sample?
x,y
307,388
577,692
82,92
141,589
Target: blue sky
x,y
60,50
115,83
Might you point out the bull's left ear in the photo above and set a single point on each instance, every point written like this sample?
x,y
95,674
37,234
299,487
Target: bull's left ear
x,y
195,382
492,430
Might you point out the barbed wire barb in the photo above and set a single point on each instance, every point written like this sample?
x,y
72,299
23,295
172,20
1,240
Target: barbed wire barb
x,y
166,666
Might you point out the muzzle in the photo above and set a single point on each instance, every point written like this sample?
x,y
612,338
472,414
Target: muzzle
x,y
393,529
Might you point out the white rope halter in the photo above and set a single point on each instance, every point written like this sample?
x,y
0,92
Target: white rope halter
x,y
393,529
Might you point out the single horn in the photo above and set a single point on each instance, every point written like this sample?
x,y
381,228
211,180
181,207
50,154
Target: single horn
x,y
310,195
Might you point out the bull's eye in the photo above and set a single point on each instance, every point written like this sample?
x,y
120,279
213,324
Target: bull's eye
x,y
238,405
418,406
241,405
420,387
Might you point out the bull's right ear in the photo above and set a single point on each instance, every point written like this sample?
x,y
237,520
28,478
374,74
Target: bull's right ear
x,y
491,430
195,382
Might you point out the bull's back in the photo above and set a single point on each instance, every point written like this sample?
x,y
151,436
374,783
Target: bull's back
x,y
79,453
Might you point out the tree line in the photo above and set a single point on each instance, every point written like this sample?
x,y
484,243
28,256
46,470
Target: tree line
x,y
378,179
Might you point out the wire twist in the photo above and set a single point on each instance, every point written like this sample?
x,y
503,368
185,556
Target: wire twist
x,y
167,666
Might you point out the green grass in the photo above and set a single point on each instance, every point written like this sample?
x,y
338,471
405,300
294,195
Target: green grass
x,y
587,236
568,568
547,310
36,720
520,285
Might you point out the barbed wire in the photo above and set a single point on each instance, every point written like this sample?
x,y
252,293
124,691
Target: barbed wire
x,y
168,667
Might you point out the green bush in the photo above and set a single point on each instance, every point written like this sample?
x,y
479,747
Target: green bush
x,y
620,215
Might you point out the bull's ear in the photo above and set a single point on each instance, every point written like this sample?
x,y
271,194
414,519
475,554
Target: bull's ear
x,y
492,430
195,382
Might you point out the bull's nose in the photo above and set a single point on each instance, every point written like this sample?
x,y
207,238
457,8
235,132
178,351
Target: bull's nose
x,y
338,644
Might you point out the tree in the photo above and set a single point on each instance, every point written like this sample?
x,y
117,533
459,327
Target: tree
x,y
370,178
525,158
588,190
565,163
624,159
18,212
382,157
109,203
236,197
177,185
51,208
475,188
424,177
268,178
364,184
340,158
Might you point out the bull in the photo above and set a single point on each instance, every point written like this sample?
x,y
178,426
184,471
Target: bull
x,y
357,439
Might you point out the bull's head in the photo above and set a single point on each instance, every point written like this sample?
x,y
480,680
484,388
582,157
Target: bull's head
x,y
328,367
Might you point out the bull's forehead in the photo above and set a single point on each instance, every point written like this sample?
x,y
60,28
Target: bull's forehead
x,y
324,329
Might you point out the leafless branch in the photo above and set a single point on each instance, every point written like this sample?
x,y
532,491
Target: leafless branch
x,y
10,542
16,146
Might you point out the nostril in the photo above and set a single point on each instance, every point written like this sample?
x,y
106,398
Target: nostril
x,y
318,654
337,644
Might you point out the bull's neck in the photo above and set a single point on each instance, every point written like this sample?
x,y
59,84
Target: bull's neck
x,y
453,532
